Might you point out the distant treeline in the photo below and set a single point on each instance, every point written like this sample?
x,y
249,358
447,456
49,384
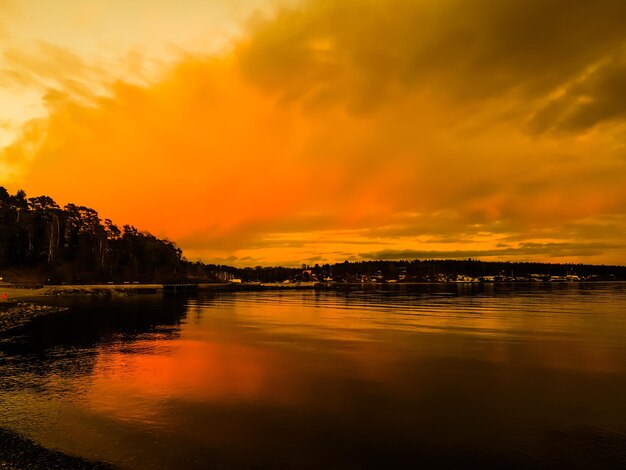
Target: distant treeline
x,y
424,270
42,242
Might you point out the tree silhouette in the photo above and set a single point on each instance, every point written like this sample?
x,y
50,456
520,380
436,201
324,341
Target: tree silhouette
x,y
73,244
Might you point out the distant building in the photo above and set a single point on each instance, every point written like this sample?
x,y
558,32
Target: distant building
x,y
463,278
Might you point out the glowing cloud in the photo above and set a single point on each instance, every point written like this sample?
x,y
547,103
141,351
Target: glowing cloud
x,y
353,129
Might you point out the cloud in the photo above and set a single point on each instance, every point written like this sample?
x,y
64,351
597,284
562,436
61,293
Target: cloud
x,y
6,10
339,128
7,7
362,53
523,251
52,70
595,98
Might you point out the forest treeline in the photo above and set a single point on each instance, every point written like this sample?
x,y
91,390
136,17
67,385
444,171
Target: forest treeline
x,y
43,242
425,271
72,244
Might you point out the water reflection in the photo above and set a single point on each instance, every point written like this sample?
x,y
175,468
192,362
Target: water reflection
x,y
431,375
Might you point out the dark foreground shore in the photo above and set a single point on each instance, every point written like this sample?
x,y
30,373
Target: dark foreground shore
x,y
19,453
15,314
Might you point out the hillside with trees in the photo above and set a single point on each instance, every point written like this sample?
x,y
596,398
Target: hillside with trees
x,y
47,243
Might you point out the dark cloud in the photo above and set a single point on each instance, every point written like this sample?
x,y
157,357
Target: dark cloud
x,y
524,250
362,53
236,261
599,96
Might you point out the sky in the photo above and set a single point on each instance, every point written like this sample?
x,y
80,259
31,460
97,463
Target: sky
x,y
265,132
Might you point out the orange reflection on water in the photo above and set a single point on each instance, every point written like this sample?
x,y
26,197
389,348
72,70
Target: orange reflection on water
x,y
289,350
133,386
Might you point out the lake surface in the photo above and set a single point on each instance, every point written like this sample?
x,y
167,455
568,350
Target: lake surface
x,y
432,375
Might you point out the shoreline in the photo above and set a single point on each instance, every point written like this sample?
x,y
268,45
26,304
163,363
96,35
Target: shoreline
x,y
14,293
40,293
20,453
13,315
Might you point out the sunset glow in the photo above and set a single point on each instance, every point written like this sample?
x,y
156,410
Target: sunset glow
x,y
260,132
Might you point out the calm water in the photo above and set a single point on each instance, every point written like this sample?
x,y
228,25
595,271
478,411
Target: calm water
x,y
429,375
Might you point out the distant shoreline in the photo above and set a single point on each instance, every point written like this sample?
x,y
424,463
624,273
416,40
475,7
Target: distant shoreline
x,y
39,294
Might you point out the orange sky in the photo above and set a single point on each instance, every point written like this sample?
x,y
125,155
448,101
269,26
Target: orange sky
x,y
263,132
